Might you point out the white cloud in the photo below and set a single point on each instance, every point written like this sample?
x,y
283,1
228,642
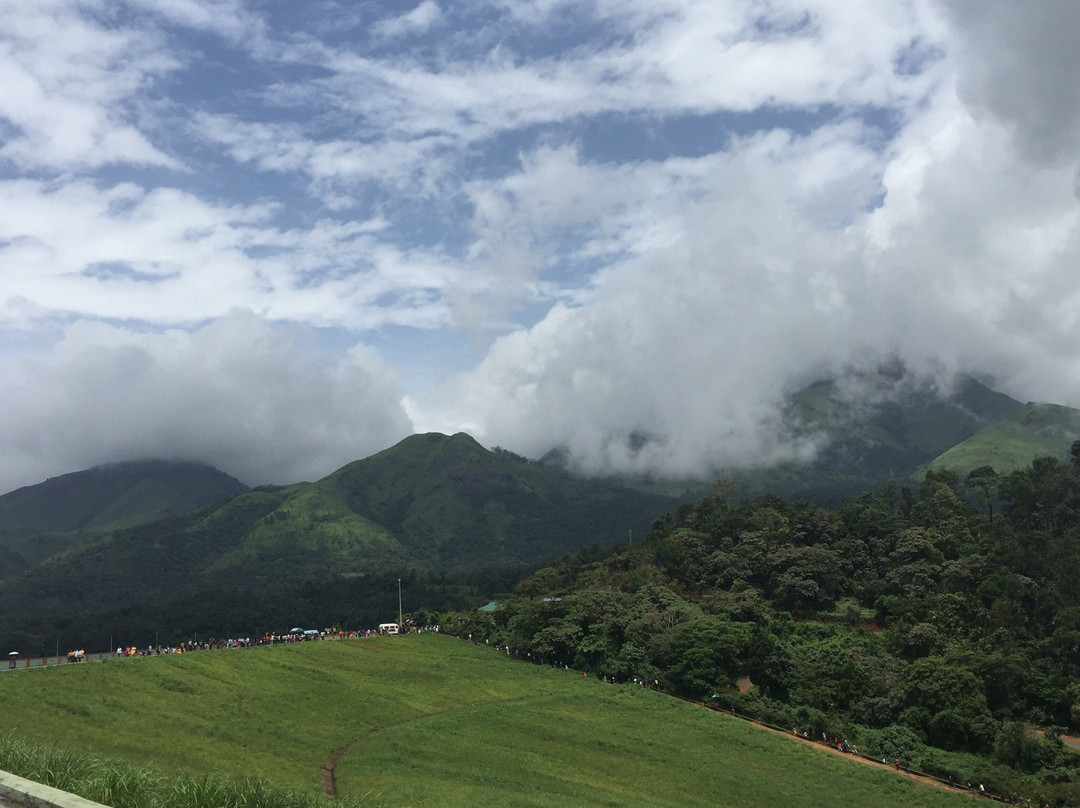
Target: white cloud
x,y
226,18
67,84
1019,64
673,212
770,266
541,232
237,393
165,256
697,332
419,20
336,166
686,58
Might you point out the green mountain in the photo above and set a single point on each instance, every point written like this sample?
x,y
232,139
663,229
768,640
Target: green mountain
x,y
874,428
453,504
1033,430
435,505
432,503
39,520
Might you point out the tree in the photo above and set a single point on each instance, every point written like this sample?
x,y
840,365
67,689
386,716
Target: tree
x,y
805,579
946,702
984,480
706,653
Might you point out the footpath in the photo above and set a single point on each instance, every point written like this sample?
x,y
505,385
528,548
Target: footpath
x,y
897,768
924,779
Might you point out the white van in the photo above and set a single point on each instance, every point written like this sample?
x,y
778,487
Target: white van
x,y
389,628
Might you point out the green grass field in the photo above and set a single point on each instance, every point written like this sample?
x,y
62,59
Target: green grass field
x,y
432,721
1035,430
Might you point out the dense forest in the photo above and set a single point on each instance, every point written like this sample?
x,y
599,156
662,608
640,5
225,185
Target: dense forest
x,y
940,625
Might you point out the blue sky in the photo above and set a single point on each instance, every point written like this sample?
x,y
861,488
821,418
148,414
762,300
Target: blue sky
x,y
277,237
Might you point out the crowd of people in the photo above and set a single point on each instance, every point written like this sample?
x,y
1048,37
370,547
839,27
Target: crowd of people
x,y
211,644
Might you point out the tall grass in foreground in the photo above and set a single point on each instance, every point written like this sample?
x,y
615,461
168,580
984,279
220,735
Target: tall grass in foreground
x,y
121,785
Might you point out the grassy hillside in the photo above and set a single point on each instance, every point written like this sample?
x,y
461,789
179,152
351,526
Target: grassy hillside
x,y
301,526
1034,430
440,723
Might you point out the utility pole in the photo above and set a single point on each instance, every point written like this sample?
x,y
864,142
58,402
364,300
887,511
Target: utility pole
x,y
399,620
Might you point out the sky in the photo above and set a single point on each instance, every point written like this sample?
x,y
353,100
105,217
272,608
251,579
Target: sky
x,y
277,237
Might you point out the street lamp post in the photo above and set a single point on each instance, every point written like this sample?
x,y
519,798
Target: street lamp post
x,y
399,620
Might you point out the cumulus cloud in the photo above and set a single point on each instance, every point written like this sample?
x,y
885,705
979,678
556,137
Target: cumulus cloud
x,y
732,280
654,218
238,393
697,330
67,87
1020,65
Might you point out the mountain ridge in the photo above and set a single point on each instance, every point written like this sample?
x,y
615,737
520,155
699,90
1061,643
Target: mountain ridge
x,y
432,503
40,519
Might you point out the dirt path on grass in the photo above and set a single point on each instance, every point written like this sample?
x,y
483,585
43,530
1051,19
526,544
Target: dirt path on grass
x,y
920,778
329,782
326,771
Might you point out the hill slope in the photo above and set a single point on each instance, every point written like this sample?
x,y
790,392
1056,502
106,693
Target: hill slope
x,y
1033,430
442,723
38,520
451,503
873,428
432,503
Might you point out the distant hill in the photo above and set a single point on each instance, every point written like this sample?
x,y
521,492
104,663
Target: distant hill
x,y
873,428
452,503
444,505
889,426
39,520
869,428
1033,430
432,503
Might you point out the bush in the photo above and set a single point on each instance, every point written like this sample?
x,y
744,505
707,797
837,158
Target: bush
x,y
894,742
